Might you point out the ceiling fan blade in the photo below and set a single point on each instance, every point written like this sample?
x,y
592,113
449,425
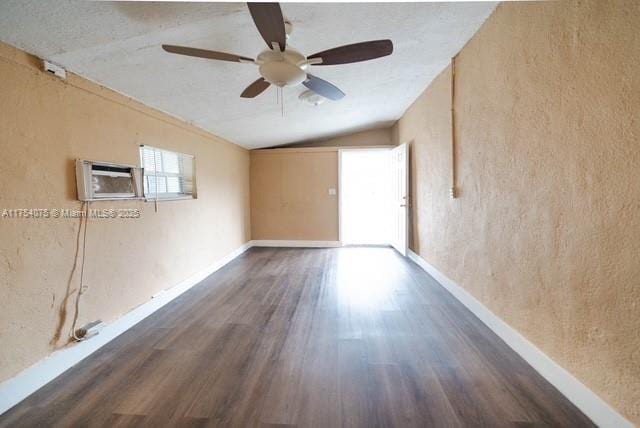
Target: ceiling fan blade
x,y
203,53
322,87
255,89
270,22
356,52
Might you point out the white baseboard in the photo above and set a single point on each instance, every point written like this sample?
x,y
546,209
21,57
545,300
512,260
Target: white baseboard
x,y
294,243
16,389
601,413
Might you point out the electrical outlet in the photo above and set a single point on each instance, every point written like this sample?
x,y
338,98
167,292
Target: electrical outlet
x,y
89,330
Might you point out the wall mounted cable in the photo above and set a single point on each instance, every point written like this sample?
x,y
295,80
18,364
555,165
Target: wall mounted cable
x,y
453,190
82,288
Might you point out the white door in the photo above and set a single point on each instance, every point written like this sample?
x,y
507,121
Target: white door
x,y
400,201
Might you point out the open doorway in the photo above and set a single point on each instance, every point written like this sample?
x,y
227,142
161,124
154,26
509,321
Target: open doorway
x,y
366,214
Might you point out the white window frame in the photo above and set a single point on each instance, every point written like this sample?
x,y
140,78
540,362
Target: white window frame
x,y
184,176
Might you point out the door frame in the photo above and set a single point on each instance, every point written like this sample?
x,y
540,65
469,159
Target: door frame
x,y
340,151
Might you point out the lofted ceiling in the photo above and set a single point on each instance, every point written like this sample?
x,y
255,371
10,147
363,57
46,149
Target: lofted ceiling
x,y
117,44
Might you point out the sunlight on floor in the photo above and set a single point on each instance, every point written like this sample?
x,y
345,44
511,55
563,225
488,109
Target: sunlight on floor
x,y
367,278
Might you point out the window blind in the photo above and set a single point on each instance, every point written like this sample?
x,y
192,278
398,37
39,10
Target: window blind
x,y
167,174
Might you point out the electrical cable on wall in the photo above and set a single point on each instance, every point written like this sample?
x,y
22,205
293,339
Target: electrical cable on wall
x,y
452,190
82,288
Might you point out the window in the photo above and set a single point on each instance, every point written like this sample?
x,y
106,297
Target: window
x,y
167,175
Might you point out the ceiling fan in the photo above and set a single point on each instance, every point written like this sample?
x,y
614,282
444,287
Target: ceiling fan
x,y
282,65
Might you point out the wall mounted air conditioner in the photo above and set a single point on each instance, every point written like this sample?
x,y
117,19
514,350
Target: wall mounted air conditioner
x,y
99,181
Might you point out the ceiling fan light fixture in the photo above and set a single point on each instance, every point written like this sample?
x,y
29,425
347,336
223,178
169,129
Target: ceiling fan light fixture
x,y
282,73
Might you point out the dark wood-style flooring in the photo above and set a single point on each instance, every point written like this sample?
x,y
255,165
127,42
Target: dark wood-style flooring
x,y
309,338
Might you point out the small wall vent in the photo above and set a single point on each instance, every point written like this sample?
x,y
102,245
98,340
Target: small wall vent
x,y
54,69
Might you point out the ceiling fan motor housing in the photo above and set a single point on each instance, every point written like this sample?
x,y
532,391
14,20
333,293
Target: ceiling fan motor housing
x,y
280,68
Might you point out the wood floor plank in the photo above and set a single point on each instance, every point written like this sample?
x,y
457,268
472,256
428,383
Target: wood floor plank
x,y
283,337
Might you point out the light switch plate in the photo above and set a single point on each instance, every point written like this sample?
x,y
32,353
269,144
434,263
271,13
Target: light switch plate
x,y
332,191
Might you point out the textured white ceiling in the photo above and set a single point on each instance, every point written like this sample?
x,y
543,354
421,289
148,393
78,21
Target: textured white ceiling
x,y
117,44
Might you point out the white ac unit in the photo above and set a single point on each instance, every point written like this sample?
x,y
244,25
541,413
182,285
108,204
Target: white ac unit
x,y
99,181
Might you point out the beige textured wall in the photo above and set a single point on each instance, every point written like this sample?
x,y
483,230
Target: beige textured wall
x,y
373,137
44,125
546,231
289,194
